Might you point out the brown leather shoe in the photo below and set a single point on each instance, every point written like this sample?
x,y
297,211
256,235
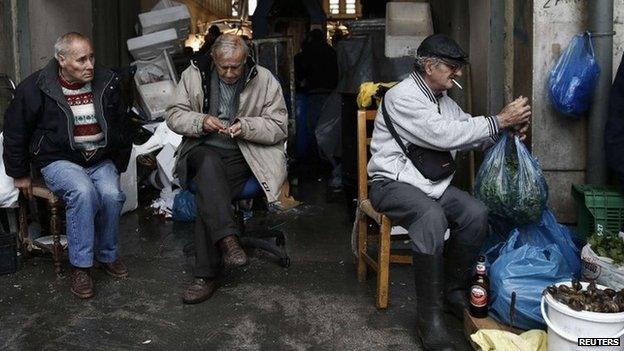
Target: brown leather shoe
x,y
233,253
116,268
200,290
81,283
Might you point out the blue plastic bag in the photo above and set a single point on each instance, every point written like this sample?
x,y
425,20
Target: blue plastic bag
x,y
511,184
184,207
534,256
573,79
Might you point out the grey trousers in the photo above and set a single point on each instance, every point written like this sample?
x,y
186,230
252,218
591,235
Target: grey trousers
x,y
426,219
219,175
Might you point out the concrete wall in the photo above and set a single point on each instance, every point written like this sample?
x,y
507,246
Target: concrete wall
x,y
50,18
557,141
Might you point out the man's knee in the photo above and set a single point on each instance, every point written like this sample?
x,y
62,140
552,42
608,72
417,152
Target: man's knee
x,y
477,212
83,195
208,165
112,195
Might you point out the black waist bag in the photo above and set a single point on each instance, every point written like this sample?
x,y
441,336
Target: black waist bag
x,y
432,164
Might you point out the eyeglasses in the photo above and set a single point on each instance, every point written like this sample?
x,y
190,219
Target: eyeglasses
x,y
454,67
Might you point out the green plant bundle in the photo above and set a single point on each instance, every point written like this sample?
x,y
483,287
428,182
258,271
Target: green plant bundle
x,y
608,245
511,184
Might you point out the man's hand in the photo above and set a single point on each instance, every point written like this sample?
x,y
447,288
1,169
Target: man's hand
x,y
515,113
212,124
24,185
521,133
232,131
235,130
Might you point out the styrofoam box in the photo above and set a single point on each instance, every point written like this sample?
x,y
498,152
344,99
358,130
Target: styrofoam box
x,y
155,97
407,25
177,17
151,45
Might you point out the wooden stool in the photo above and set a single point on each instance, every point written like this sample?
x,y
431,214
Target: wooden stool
x,y
365,211
55,206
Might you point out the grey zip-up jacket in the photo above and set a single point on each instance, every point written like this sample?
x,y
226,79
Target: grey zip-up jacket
x,y
421,118
261,111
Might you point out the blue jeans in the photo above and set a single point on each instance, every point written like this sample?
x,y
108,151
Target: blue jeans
x,y
93,201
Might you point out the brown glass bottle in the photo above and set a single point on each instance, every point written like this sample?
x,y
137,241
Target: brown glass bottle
x,y
479,291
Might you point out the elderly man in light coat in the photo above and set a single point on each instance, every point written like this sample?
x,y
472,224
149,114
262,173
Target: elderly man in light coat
x,y
233,117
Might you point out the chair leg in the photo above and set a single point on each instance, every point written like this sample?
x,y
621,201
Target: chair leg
x,y
362,237
55,228
24,239
383,262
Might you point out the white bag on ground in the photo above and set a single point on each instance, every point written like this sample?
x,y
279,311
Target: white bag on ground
x,y
8,191
601,269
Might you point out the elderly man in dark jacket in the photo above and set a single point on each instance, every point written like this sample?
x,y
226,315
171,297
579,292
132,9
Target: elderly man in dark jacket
x,y
66,123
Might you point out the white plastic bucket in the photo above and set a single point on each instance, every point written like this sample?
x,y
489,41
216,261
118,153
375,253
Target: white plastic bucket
x,y
566,326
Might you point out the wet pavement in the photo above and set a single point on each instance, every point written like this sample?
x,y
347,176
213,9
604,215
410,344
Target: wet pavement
x,y
315,304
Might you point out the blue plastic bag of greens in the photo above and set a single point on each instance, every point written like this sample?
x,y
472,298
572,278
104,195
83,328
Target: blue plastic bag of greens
x,y
184,207
573,79
534,256
511,184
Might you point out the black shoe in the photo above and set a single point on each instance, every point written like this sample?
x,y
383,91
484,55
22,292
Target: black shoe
x,y
429,274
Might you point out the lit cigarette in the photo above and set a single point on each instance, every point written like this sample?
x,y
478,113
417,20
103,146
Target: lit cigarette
x,y
459,86
231,135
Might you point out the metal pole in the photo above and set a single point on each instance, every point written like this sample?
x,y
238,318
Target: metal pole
x,y
601,26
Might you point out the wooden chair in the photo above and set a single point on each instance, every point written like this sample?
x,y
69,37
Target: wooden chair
x,y
384,258
55,206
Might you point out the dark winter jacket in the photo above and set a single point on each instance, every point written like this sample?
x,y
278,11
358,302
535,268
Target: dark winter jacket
x,y
614,131
38,124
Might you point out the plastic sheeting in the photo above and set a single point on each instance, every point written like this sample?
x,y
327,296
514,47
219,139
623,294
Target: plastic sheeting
x,y
360,59
8,192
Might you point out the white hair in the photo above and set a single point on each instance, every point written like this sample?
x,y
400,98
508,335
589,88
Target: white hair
x,y
419,62
228,44
62,44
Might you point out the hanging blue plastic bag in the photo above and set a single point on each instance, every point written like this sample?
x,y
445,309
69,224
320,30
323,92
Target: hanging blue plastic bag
x,y
184,207
511,184
573,79
534,256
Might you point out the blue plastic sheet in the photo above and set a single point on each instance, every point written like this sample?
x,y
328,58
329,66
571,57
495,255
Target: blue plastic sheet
x,y
184,207
573,79
511,184
533,257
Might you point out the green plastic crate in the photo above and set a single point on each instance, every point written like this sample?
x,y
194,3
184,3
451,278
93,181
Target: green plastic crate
x,y
598,205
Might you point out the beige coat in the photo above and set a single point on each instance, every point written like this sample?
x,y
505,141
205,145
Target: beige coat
x,y
264,121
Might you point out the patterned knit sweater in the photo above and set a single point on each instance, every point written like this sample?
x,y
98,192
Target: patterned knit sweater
x,y
88,135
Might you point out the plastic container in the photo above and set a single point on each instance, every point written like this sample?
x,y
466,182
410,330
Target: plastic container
x,y
155,81
407,25
566,326
149,46
176,17
599,208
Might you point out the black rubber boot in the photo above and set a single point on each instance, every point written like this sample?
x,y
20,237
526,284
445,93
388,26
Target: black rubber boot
x,y
429,278
459,260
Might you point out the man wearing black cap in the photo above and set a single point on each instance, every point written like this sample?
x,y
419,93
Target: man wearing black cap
x,y
411,182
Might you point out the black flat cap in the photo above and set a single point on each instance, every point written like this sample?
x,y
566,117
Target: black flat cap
x,y
442,46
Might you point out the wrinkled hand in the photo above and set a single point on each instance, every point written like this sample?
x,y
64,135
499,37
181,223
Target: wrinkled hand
x,y
232,131
24,185
515,113
212,124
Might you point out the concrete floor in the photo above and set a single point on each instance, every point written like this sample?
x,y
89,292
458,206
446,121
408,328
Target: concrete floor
x,y
317,303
